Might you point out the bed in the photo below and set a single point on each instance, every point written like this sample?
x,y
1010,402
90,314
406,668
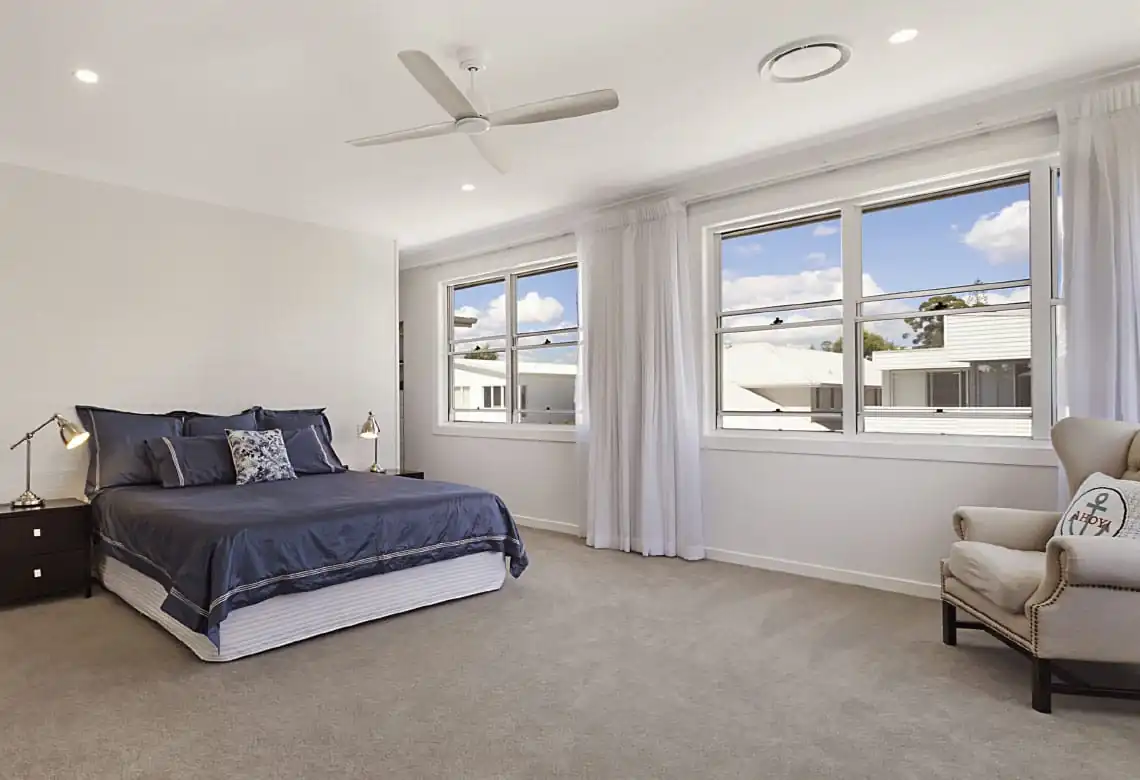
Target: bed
x,y
232,570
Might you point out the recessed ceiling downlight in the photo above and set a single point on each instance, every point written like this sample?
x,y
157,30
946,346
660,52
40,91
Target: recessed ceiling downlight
x,y
805,60
87,76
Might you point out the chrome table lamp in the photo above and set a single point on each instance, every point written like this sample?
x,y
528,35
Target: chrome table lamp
x,y
72,434
371,430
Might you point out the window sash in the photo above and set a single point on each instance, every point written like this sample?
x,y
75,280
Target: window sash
x,y
503,400
1043,300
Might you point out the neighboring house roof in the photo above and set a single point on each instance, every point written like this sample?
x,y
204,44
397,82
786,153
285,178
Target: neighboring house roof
x,y
966,338
739,399
498,368
757,364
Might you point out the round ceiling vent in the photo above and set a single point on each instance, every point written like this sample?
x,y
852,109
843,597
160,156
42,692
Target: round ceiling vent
x,y
805,60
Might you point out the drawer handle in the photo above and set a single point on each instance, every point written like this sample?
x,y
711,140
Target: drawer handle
x,y
37,573
36,532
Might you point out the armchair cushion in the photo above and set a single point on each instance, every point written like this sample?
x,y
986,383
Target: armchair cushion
x,y
1006,577
1017,529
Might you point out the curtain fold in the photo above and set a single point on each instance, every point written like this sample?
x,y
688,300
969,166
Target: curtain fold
x,y
640,430
1100,169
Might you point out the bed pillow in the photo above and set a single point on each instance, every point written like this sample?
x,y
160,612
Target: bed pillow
x,y
1103,506
217,425
119,455
259,456
188,461
310,453
293,420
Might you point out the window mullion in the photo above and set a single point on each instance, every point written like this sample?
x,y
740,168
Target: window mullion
x,y
1041,293
449,329
511,373
852,262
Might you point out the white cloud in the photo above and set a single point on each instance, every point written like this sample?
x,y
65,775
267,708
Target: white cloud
x,y
824,230
1003,236
751,292
817,259
749,248
533,309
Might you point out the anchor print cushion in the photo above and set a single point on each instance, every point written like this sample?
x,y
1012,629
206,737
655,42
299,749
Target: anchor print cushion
x,y
1103,506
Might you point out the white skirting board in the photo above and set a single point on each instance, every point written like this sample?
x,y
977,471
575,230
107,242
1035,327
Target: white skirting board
x,y
557,526
924,590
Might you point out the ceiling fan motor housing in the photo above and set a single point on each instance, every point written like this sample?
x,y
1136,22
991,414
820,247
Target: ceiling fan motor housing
x,y
472,125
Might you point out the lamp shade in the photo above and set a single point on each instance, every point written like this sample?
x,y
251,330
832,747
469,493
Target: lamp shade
x,y
370,429
73,434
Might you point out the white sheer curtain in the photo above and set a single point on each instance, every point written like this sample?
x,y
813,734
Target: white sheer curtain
x,y
1100,170
641,431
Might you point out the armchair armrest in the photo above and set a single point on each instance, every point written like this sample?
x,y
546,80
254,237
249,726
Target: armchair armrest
x,y
1085,606
1017,529
1091,561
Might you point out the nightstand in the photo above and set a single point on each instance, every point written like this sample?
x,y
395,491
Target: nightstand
x,y
45,552
404,473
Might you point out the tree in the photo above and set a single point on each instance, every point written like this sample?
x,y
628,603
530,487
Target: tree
x,y
481,354
928,330
872,342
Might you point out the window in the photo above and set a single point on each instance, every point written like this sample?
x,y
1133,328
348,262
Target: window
x,y
934,292
493,397
780,327
523,358
944,315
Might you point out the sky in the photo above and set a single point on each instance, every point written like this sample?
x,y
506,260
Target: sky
x,y
940,243
546,301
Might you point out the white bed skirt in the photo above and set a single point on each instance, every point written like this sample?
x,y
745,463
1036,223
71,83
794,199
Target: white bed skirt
x,y
293,617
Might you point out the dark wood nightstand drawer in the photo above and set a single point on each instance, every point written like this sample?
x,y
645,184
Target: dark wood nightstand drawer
x,y
34,576
44,531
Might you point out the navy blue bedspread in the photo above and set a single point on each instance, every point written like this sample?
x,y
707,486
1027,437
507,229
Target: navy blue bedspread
x,y
221,547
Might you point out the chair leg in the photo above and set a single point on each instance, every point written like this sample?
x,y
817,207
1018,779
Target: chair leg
x,y
1042,685
949,624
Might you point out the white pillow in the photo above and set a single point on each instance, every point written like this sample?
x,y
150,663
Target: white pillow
x,y
1103,506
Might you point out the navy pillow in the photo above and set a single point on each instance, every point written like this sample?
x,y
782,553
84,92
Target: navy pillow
x,y
119,454
293,420
311,453
217,425
187,461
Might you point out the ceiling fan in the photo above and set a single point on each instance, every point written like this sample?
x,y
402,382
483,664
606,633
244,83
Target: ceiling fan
x,y
469,120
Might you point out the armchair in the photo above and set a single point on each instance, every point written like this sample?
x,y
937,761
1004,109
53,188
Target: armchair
x,y
1055,599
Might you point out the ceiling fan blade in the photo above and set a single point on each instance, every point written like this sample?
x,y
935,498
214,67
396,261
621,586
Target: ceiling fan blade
x,y
491,153
432,78
558,108
427,131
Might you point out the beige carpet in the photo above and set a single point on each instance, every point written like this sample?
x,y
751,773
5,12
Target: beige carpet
x,y
594,665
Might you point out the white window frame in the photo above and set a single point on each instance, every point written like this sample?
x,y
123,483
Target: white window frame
x,y
510,427
777,309
1035,450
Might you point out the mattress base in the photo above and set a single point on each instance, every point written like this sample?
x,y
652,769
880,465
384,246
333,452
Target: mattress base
x,y
293,617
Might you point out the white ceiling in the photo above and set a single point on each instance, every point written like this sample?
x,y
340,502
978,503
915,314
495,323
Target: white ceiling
x,y
247,103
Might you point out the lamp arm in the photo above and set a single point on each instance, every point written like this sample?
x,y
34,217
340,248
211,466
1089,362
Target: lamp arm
x,y
28,436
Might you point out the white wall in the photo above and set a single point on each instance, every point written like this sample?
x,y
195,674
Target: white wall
x,y
125,299
535,478
876,514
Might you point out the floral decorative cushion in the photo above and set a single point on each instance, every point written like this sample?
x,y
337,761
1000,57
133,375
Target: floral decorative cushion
x,y
259,456
1103,506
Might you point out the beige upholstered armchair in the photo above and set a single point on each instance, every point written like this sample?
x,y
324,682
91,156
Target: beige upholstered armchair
x,y
1072,598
